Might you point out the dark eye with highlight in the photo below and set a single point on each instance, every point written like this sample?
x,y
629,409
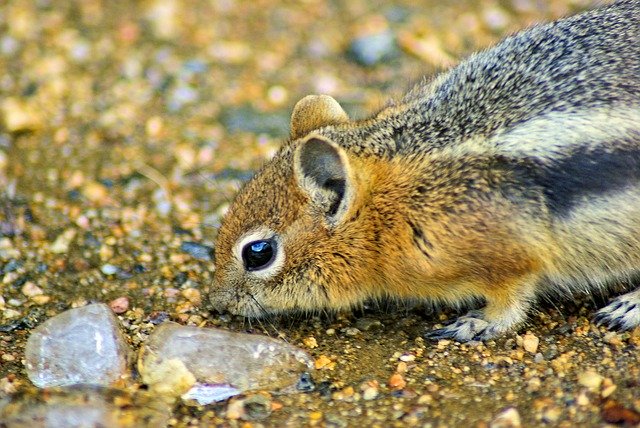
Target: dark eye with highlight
x,y
258,255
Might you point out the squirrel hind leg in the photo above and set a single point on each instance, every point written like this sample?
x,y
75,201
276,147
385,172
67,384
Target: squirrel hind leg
x,y
623,313
503,313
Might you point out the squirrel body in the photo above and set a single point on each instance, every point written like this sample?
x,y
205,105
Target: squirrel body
x,y
515,174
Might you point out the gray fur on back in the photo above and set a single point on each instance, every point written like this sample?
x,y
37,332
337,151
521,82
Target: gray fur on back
x,y
587,61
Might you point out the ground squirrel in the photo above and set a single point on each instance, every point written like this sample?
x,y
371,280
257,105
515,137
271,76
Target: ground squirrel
x,y
515,174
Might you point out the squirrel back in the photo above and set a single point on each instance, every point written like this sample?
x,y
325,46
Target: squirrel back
x,y
515,173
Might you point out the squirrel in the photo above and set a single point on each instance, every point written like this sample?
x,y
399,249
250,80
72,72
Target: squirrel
x,y
511,176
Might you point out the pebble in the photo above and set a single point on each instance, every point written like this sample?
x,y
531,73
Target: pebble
x,y
407,357
305,383
323,362
530,343
310,342
119,305
369,324
396,381
371,49
608,390
193,295
496,18
109,269
370,390
590,379
534,384
82,345
30,289
174,358
198,251
252,408
62,242
508,418
552,414
19,115
582,399
351,331
248,119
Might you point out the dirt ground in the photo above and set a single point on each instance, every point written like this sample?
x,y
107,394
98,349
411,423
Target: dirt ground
x,y
126,128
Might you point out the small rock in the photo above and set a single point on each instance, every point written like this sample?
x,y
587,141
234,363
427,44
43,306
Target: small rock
x,y
425,399
256,407
368,324
345,394
82,345
370,390
158,317
396,381
371,49
109,269
310,342
62,242
407,357
530,343
95,192
608,390
119,305
582,399
323,362
534,384
20,115
508,418
252,408
176,357
192,295
351,331
29,289
551,414
590,379
198,251
305,383
496,18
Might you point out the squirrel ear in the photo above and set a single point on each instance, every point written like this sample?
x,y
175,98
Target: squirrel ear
x,y
313,112
322,170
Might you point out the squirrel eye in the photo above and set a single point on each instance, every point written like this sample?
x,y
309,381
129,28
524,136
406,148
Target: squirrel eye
x,y
258,254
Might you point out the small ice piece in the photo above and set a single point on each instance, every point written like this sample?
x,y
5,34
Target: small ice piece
x,y
79,346
175,358
207,393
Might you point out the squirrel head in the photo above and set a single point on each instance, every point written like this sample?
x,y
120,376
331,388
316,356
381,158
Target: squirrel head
x,y
289,232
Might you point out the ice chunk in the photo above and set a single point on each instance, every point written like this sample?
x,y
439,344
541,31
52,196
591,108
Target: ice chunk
x,y
83,345
176,359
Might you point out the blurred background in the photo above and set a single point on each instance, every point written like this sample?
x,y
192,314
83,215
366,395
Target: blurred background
x,y
92,91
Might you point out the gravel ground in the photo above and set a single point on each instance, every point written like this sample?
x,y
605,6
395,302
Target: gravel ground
x,y
126,127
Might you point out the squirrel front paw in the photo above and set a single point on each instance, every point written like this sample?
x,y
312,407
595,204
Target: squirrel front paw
x,y
471,326
485,324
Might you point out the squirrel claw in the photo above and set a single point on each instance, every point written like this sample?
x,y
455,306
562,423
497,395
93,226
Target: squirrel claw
x,y
623,313
463,329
